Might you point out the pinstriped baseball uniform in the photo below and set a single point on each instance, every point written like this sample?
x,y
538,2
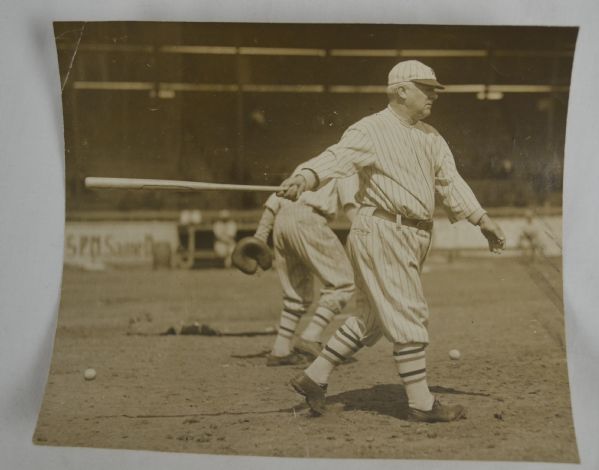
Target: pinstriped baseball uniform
x,y
305,246
401,167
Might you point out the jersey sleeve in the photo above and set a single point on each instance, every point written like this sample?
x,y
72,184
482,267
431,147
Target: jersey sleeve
x,y
456,196
273,203
267,220
265,225
347,188
347,157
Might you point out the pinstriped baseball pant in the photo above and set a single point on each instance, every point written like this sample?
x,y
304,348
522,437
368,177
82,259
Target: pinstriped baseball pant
x,y
387,261
305,246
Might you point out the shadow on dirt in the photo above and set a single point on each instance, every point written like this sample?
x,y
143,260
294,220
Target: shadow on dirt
x,y
453,391
386,399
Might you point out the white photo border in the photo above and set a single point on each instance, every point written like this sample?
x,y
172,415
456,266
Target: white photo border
x,y
32,205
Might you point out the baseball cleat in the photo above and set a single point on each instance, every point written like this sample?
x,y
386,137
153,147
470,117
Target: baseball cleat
x,y
308,348
292,359
438,414
311,391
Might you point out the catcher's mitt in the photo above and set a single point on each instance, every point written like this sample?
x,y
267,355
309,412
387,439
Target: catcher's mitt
x,y
249,253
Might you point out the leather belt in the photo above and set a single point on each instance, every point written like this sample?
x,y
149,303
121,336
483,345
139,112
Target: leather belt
x,y
399,220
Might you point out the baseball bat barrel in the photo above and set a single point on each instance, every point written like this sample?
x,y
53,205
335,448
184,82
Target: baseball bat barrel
x,y
93,182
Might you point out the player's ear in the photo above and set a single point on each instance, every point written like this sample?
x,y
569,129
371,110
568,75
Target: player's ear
x,y
402,92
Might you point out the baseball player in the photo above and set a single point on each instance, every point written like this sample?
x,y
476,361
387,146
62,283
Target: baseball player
x,y
305,247
403,164
530,238
225,230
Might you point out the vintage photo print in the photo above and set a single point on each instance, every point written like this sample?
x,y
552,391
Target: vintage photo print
x,y
313,240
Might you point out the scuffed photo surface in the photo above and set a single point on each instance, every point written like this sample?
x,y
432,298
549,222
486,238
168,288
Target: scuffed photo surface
x,y
246,104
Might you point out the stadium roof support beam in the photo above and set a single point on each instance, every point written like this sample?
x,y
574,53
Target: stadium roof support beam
x,y
303,88
200,49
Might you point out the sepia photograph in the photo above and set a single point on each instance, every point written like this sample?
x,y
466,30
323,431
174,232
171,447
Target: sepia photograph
x,y
313,241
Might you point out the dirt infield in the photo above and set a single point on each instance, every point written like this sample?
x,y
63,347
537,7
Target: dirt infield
x,y
200,394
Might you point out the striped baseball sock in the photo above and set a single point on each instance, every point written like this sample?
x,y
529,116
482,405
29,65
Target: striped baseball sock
x,y
411,364
321,319
287,327
341,346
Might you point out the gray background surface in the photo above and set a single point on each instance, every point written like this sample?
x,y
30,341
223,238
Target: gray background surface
x,y
32,204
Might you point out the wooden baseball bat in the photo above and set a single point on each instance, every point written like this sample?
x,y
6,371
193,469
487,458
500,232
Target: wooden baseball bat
x,y
93,182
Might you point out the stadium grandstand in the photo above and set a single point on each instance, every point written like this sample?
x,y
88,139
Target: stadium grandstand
x,y
245,103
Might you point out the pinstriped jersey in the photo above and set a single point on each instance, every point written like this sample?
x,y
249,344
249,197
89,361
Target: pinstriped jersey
x,y
331,197
401,167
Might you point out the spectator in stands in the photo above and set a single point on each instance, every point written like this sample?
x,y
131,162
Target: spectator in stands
x,y
501,167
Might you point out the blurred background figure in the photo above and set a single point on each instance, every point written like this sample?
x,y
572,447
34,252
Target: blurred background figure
x,y
185,217
225,231
195,217
530,238
187,231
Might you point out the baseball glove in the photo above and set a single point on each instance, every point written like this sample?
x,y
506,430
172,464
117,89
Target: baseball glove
x,y
249,253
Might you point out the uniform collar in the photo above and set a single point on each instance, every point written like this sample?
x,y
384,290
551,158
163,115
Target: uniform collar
x,y
401,119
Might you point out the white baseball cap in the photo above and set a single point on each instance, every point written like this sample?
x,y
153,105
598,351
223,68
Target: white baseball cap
x,y
413,71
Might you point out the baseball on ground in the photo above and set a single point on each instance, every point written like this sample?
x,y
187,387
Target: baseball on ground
x,y
89,374
455,354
